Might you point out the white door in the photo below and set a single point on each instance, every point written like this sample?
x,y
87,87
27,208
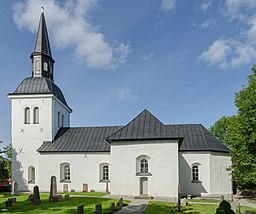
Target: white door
x,y
144,186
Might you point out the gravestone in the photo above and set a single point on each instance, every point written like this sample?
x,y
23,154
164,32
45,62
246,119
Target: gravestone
x,y
53,190
247,212
85,187
8,203
98,209
36,200
222,198
184,202
72,190
239,208
234,205
107,191
112,208
12,199
121,202
66,197
65,187
15,188
80,209
59,197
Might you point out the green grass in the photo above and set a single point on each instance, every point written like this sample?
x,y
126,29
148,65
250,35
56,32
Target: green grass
x,y
60,207
169,207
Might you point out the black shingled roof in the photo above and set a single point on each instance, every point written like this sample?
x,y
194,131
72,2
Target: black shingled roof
x,y
195,137
39,85
144,126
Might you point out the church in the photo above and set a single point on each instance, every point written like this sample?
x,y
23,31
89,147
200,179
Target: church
x,y
143,157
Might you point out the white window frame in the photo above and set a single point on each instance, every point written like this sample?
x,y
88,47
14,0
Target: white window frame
x,y
195,173
65,173
27,115
36,115
104,172
31,175
143,165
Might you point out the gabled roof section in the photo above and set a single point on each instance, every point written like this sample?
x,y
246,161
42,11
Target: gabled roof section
x,y
80,139
39,85
144,126
197,138
42,40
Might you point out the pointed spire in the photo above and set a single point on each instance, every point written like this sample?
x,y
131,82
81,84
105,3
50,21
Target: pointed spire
x,y
42,61
42,41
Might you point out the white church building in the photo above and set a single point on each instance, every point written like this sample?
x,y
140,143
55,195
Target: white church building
x,y
143,157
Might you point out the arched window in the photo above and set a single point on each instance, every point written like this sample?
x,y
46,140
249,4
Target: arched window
x,y
143,166
195,172
65,175
104,172
36,115
45,66
27,115
31,175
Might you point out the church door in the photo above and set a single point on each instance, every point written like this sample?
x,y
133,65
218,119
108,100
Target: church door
x,y
143,186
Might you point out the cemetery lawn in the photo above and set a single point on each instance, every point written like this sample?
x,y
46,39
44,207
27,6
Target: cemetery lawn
x,y
168,207
60,207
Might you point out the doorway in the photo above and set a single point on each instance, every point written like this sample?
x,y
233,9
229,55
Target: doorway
x,y
143,186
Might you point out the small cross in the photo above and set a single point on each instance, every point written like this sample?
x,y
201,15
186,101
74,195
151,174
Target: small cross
x,y
21,130
20,151
85,155
41,129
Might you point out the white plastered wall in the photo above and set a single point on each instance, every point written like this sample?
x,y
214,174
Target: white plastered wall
x,y
27,138
163,165
215,179
84,168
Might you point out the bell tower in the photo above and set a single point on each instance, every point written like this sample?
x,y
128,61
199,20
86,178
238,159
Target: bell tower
x,y
42,61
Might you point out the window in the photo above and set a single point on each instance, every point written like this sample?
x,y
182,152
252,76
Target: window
x,y
62,121
143,166
65,175
27,115
195,172
104,172
59,119
36,115
45,66
31,175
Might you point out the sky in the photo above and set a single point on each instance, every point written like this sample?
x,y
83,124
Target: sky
x,y
183,60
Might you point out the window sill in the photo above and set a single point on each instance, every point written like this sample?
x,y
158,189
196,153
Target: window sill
x,y
143,174
196,181
104,181
31,182
65,181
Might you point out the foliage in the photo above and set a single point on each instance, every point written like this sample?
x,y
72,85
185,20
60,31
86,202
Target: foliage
x,y
220,127
224,208
241,135
5,162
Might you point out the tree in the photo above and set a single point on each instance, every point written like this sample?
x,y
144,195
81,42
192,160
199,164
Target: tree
x,y
220,127
5,162
241,135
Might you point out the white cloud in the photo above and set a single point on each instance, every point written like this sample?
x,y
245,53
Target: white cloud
x,y
126,95
229,53
209,23
69,26
147,57
167,5
205,5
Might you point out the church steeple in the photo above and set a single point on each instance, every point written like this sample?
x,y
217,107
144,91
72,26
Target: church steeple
x,y
42,61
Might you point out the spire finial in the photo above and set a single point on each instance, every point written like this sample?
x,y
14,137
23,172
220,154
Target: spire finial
x,y
42,9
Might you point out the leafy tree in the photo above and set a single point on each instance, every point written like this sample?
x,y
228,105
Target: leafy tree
x,y
5,162
241,135
220,127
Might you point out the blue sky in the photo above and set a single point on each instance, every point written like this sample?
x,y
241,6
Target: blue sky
x,y
182,60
